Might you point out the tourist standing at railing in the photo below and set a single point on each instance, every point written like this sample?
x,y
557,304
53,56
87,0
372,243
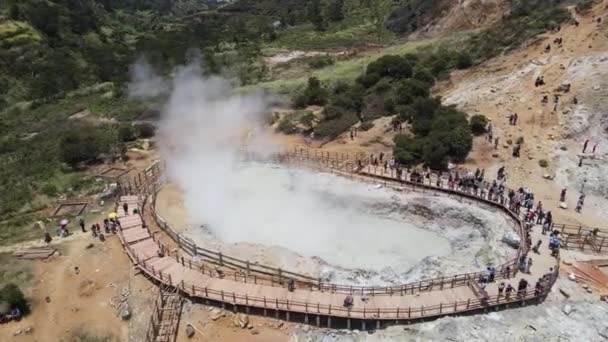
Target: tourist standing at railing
x,y
508,291
125,207
522,287
538,288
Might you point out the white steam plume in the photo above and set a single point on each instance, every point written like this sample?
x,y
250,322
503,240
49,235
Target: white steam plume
x,y
203,127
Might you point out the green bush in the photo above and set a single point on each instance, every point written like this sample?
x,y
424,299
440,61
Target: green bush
x,y
478,124
332,128
318,62
49,189
145,130
126,133
14,297
286,126
314,94
390,66
307,119
80,146
584,6
366,126
409,89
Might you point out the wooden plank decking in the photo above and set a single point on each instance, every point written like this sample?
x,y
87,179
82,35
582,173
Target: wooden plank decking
x,y
148,254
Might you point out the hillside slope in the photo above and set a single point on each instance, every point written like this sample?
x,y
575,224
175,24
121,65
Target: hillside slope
x,y
505,85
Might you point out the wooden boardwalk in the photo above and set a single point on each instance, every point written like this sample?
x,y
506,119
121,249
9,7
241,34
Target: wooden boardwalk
x,y
403,303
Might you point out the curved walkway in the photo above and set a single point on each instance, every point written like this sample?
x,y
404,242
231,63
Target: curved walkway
x,y
404,303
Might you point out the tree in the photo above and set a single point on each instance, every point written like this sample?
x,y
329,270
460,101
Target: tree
x,y
314,94
434,154
80,145
410,88
335,11
390,66
14,297
380,11
315,16
478,124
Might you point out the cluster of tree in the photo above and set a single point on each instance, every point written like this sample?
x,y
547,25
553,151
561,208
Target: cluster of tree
x,y
11,297
400,85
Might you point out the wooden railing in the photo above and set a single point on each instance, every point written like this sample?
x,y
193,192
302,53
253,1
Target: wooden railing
x,y
256,273
582,237
149,185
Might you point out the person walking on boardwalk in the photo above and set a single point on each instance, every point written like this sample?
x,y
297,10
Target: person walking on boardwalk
x,y
537,246
562,195
538,288
501,288
81,222
508,291
585,145
125,207
522,287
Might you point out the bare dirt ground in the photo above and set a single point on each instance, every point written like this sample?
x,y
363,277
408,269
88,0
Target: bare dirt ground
x,y
505,85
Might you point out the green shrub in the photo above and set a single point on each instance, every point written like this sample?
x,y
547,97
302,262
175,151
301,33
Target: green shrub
x,y
145,130
15,298
390,66
584,6
126,133
314,94
334,127
318,62
366,126
368,80
478,124
81,145
307,119
49,189
286,126
543,163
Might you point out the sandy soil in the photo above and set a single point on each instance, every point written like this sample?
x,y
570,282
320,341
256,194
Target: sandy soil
x,y
79,303
505,85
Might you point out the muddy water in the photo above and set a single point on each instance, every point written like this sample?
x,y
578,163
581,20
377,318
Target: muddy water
x,y
319,215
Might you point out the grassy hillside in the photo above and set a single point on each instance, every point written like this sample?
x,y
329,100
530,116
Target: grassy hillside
x,y
62,57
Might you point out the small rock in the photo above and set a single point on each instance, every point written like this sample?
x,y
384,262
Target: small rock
x,y
563,205
216,313
495,155
255,332
567,309
89,246
243,320
564,148
125,314
17,332
589,291
547,176
306,328
585,286
189,331
564,293
47,299
28,330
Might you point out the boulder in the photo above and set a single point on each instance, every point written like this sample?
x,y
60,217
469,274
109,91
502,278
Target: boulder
x,y
189,331
567,309
511,239
125,314
216,313
243,320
